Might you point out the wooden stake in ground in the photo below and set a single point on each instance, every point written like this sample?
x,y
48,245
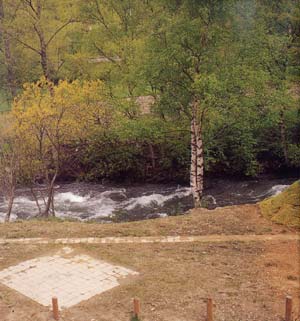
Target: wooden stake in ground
x,y
288,308
136,307
55,308
209,309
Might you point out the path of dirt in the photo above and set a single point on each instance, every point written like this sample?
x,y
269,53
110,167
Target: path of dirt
x,y
248,281
156,239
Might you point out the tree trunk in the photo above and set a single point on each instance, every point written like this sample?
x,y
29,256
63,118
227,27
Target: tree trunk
x,y
7,54
43,45
197,162
52,205
11,174
44,58
50,199
36,200
193,170
10,204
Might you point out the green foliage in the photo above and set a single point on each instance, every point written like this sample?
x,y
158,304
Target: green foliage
x,y
240,59
142,148
4,101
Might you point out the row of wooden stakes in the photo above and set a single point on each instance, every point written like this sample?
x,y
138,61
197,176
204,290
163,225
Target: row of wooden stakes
x,y
209,305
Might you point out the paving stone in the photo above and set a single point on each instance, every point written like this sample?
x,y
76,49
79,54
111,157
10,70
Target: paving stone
x,y
71,279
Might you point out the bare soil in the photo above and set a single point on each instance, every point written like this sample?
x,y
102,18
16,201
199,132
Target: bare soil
x,y
247,280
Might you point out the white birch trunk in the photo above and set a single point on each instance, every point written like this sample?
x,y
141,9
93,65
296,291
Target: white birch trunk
x,y
197,161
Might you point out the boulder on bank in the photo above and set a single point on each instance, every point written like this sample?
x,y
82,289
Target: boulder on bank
x,y
284,208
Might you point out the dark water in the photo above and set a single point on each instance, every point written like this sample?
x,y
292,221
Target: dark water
x,y
115,203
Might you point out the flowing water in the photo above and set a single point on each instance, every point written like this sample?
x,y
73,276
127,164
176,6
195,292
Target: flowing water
x,y
115,203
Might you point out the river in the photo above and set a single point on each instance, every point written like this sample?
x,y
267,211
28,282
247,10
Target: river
x,y
115,203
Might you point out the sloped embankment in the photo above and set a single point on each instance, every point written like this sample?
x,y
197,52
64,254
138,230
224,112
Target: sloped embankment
x,y
285,207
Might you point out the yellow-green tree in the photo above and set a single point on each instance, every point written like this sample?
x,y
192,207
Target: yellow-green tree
x,y
48,118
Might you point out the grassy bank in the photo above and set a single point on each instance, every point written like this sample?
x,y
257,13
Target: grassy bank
x,y
285,207
242,219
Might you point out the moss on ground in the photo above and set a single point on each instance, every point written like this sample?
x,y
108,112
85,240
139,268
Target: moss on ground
x,y
284,208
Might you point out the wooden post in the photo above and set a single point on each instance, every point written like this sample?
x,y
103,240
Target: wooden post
x,y
55,308
288,308
209,309
136,307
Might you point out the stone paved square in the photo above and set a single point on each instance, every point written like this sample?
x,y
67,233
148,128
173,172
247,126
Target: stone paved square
x,y
71,278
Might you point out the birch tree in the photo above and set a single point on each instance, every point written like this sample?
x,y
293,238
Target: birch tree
x,y
185,52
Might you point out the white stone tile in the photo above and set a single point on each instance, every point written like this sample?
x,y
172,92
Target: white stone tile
x,y
71,279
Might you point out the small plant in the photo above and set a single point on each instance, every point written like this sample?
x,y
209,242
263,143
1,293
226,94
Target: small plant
x,y
177,209
119,215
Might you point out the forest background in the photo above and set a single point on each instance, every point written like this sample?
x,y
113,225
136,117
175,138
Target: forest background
x,y
148,90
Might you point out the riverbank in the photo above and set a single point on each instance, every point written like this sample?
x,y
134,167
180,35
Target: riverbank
x,y
238,220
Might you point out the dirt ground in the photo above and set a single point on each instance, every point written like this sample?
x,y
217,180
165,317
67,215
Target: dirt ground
x,y
247,281
242,219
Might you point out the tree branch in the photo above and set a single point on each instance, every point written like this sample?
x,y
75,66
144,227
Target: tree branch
x,y
105,55
101,15
23,43
29,3
59,30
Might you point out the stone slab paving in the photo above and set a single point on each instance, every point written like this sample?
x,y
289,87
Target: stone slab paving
x,y
155,239
70,278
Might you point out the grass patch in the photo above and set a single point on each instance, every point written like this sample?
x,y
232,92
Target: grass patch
x,y
239,220
285,207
